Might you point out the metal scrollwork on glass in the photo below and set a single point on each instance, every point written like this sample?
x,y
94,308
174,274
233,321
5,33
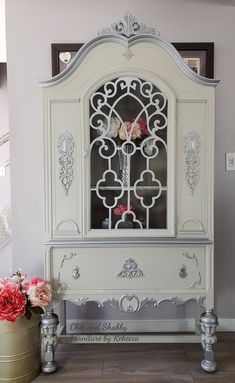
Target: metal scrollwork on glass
x,y
128,26
128,138
130,270
192,160
66,161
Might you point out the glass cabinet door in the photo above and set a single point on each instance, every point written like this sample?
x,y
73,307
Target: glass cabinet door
x,y
128,155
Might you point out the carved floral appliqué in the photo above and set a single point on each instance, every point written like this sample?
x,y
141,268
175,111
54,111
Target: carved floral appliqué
x,y
128,26
192,160
130,270
65,148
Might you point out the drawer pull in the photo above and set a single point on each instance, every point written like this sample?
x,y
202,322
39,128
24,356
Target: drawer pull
x,y
75,273
183,272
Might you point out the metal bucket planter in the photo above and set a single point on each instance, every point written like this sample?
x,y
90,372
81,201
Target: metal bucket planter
x,y
20,350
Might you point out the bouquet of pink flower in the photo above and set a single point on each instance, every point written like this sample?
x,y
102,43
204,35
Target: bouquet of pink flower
x,y
128,130
20,296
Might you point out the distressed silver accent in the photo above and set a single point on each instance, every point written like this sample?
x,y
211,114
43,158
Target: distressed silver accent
x,y
128,42
75,273
49,325
121,305
192,160
177,301
137,240
131,303
130,270
128,26
208,323
128,54
62,286
65,148
198,281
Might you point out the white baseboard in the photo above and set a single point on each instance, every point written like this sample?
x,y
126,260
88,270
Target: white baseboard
x,y
137,326
226,324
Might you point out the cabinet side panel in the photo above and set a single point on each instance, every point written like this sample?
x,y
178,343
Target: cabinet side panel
x,y
194,168
65,147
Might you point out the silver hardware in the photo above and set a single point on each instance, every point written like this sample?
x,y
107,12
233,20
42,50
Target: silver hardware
x,y
183,272
75,273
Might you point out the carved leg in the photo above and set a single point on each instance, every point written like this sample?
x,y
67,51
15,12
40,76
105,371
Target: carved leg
x,y
49,325
208,325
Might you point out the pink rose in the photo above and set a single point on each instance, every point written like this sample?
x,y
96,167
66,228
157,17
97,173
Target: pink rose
x,y
40,293
12,301
120,209
124,130
33,281
135,130
129,130
143,126
2,282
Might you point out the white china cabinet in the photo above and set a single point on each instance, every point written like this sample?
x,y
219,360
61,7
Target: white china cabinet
x,y
129,133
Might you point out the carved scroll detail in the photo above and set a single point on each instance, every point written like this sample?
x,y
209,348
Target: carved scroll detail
x,y
128,26
192,160
66,161
130,270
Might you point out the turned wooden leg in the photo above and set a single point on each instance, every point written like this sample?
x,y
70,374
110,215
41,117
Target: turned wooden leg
x,y
208,323
49,325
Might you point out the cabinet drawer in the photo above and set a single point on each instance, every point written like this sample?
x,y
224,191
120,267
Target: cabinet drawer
x,y
128,268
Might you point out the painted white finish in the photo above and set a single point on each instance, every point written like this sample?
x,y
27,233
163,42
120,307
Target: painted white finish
x,y
160,267
5,189
128,276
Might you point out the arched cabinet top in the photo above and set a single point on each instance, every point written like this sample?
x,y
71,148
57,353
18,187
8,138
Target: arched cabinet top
x,y
128,32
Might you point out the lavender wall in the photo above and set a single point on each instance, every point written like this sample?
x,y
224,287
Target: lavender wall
x,y
5,249
32,25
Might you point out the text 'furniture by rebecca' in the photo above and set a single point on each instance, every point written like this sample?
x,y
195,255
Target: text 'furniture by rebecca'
x,y
129,133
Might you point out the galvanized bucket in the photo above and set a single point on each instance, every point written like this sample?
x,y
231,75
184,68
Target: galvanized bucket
x,y
20,350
